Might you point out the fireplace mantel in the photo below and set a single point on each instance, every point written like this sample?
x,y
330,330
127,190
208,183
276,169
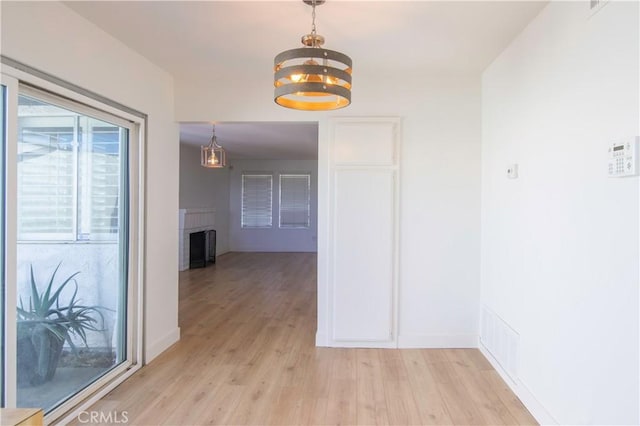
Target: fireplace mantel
x,y
192,220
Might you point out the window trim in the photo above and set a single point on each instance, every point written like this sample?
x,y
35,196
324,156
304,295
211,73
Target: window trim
x,y
28,75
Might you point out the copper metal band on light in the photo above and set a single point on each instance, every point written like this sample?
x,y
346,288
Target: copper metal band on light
x,y
343,94
311,96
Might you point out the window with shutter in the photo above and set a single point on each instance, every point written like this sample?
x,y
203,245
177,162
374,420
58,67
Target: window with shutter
x,y
257,197
295,200
99,181
68,174
46,174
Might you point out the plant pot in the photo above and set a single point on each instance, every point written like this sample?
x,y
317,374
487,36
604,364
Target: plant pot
x,y
39,351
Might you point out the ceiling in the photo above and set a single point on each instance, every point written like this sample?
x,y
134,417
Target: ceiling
x,y
198,38
257,140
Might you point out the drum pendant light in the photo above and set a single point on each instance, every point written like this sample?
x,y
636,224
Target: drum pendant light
x,y
312,78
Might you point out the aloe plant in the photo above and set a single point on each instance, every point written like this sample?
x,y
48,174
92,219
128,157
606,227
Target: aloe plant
x,y
46,324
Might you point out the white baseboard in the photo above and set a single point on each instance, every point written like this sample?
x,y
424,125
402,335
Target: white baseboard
x,y
156,348
405,342
362,344
537,410
424,341
322,340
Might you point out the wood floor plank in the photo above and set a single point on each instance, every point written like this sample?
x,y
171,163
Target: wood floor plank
x,y
508,398
371,405
313,411
430,404
204,394
434,356
286,407
247,355
485,399
477,359
458,402
401,404
341,404
217,408
393,368
317,382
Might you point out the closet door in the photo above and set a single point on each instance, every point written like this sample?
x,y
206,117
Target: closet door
x,y
364,204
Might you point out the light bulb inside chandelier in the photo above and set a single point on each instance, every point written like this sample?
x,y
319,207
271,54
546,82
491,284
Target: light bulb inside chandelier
x,y
213,160
312,78
213,155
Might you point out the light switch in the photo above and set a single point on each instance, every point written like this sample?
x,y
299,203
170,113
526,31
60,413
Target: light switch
x,y
512,171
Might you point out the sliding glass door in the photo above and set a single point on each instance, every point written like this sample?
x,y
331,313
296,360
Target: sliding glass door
x,y
71,246
71,294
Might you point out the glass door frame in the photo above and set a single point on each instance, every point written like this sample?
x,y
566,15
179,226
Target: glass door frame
x,y
17,81
10,236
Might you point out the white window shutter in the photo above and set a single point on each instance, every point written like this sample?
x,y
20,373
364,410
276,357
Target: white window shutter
x,y
295,198
69,178
46,179
257,196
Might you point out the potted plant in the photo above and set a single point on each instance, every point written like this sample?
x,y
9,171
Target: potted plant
x,y
46,324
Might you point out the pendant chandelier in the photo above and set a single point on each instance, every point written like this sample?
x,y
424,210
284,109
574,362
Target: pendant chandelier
x,y
312,78
213,155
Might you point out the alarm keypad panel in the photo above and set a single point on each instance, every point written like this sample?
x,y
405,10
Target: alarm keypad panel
x,y
623,158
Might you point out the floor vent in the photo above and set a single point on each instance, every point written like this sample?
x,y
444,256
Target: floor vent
x,y
501,341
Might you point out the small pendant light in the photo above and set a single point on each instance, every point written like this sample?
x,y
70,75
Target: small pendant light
x,y
213,156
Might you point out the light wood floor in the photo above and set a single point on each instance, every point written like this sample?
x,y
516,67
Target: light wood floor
x,y
247,356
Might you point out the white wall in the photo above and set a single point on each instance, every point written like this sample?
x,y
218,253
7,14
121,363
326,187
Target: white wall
x,y
205,188
560,256
52,38
439,212
272,239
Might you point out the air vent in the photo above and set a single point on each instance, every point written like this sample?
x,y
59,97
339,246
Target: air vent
x,y
501,341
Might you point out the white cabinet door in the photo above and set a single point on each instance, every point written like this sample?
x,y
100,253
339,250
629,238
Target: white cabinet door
x,y
364,205
363,255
